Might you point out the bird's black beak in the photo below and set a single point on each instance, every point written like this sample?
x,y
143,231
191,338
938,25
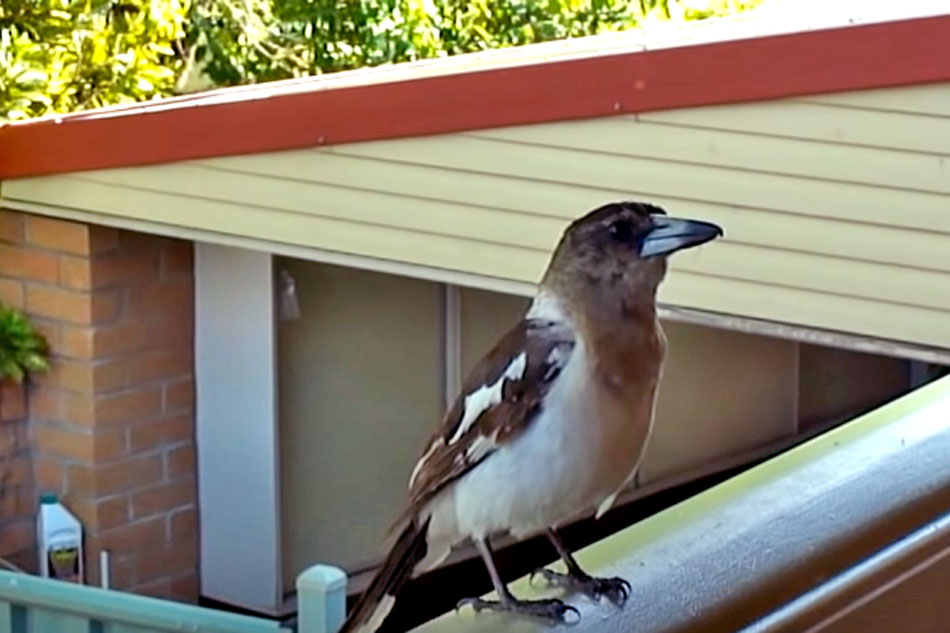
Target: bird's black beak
x,y
673,234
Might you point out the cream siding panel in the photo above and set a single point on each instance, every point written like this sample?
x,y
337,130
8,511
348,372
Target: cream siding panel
x,y
773,302
822,310
843,276
850,201
420,180
750,226
924,99
820,122
837,212
363,206
269,224
825,161
526,231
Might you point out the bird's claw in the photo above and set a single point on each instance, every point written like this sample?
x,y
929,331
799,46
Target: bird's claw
x,y
553,609
615,589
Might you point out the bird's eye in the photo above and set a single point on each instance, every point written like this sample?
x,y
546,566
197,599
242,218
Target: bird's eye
x,y
621,230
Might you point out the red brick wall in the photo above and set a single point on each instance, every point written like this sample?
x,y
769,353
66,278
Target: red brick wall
x,y
17,498
111,426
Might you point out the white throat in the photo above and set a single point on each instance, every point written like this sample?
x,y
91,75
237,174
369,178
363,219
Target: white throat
x,y
546,305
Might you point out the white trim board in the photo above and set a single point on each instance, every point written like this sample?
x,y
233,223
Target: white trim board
x,y
236,427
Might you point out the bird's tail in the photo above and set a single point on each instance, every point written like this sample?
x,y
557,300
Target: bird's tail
x,y
378,599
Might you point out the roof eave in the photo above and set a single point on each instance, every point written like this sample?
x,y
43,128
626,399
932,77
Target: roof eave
x,y
507,89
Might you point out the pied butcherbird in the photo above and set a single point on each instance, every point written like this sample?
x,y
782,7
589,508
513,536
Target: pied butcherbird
x,y
554,419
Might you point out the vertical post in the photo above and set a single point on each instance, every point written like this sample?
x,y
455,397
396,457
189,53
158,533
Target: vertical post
x,y
238,463
452,342
321,599
105,579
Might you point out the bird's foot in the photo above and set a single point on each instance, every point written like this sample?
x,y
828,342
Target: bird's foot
x,y
553,610
615,589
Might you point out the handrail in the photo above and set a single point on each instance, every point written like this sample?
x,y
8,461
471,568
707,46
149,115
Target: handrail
x,y
321,592
51,605
739,551
886,571
123,608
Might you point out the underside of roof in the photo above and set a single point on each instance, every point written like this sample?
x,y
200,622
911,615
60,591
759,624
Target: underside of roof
x,y
824,154
756,56
834,206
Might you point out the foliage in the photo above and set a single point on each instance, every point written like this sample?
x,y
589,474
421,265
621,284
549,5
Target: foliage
x,y
22,348
278,39
270,39
481,25
66,55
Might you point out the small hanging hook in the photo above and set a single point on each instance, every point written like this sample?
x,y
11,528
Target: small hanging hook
x,y
288,307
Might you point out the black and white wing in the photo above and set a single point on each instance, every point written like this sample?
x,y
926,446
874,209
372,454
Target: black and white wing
x,y
500,399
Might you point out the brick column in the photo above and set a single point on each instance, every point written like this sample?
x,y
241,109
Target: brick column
x,y
112,424
17,499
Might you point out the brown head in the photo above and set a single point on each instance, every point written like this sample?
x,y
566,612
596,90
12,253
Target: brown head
x,y
615,256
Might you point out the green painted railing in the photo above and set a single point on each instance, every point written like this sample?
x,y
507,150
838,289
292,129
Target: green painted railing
x,y
29,604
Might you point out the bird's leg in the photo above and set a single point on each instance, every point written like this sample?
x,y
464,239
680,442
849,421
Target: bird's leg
x,y
554,610
614,589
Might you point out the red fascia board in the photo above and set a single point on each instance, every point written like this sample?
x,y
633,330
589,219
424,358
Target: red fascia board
x,y
840,59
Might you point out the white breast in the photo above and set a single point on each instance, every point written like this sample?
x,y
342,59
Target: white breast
x,y
550,472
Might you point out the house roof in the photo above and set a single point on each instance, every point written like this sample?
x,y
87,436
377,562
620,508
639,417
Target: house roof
x,y
724,61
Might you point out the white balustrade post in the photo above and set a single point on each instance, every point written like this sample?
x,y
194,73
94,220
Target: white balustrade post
x,y
321,599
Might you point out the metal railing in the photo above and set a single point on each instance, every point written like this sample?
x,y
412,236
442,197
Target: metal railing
x,y
29,604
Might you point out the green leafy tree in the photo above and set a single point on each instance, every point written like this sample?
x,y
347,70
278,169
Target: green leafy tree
x,y
66,55
258,40
237,41
482,24
232,42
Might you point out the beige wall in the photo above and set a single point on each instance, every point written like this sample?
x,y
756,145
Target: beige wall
x,y
834,207
484,318
722,393
359,392
837,384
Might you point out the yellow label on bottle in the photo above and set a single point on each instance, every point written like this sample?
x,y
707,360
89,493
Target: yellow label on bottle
x,y
64,563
